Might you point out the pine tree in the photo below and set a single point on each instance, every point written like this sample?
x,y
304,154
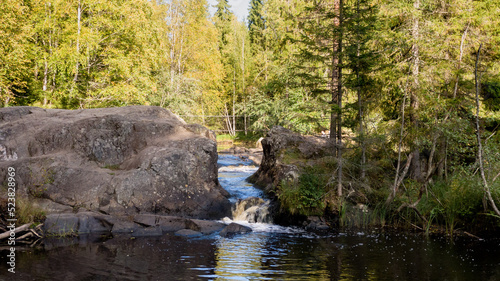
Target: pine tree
x,y
256,23
223,17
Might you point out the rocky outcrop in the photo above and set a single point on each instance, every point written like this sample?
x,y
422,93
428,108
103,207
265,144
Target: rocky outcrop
x,y
285,157
284,154
118,161
69,224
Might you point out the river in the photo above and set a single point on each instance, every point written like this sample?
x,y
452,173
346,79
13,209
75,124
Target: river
x,y
270,252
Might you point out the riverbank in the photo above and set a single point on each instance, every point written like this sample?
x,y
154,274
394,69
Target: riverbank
x,y
297,172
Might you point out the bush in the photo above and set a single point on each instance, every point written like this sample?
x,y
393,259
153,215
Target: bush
x,y
306,197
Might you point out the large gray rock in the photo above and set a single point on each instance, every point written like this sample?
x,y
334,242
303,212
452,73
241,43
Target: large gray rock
x,y
286,156
285,153
81,223
173,224
116,161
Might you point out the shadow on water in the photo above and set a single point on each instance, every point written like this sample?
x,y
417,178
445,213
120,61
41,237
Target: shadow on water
x,y
268,253
259,256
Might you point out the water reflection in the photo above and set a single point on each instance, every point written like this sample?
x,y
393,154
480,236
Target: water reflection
x,y
259,256
242,258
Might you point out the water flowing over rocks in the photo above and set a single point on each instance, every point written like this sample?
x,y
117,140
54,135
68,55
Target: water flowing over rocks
x,y
252,210
116,161
285,154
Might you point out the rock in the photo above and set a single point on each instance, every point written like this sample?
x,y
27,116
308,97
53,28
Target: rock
x,y
284,153
208,227
315,223
258,143
166,223
68,224
188,233
50,206
233,229
125,227
173,224
118,161
84,222
256,157
285,156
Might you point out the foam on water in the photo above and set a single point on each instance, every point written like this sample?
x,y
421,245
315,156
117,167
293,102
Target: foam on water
x,y
268,227
238,169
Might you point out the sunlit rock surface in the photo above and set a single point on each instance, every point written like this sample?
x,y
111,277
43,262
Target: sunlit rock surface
x,y
115,161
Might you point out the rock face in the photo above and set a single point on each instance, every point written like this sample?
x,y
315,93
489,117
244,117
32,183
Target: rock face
x,y
285,155
70,224
125,160
285,152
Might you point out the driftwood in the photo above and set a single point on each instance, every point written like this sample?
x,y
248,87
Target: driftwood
x,y
26,235
22,228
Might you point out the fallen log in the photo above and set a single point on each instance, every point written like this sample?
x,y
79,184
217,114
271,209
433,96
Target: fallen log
x,y
23,227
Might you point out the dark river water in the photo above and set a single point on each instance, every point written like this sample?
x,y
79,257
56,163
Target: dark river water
x,y
270,252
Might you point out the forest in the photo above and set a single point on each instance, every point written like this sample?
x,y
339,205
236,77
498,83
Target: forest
x,y
408,91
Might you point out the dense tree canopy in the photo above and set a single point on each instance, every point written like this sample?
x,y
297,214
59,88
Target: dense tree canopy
x,y
393,81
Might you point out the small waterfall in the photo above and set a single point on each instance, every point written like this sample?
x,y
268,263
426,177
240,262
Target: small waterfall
x,y
252,210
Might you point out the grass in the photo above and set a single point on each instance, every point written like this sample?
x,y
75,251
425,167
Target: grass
x,y
25,212
114,167
225,141
360,216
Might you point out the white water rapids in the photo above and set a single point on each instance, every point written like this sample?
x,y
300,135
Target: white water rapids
x,y
250,208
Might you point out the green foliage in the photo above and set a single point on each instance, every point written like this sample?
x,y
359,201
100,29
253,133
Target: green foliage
x,y
306,197
490,92
454,203
256,22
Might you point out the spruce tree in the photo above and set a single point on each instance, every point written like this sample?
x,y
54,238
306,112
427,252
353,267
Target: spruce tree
x,y
256,23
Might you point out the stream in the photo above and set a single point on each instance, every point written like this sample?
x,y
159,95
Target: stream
x,y
270,252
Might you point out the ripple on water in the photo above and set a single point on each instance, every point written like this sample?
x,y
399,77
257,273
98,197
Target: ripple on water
x,y
233,160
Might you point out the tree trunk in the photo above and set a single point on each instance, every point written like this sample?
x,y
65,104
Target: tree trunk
x,y
397,178
360,103
234,103
339,8
479,144
45,80
460,61
414,101
79,15
243,86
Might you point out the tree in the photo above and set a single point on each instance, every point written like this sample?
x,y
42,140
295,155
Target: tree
x,y
321,64
192,83
14,50
256,23
360,25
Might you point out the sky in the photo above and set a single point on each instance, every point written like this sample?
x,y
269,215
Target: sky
x,y
239,7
